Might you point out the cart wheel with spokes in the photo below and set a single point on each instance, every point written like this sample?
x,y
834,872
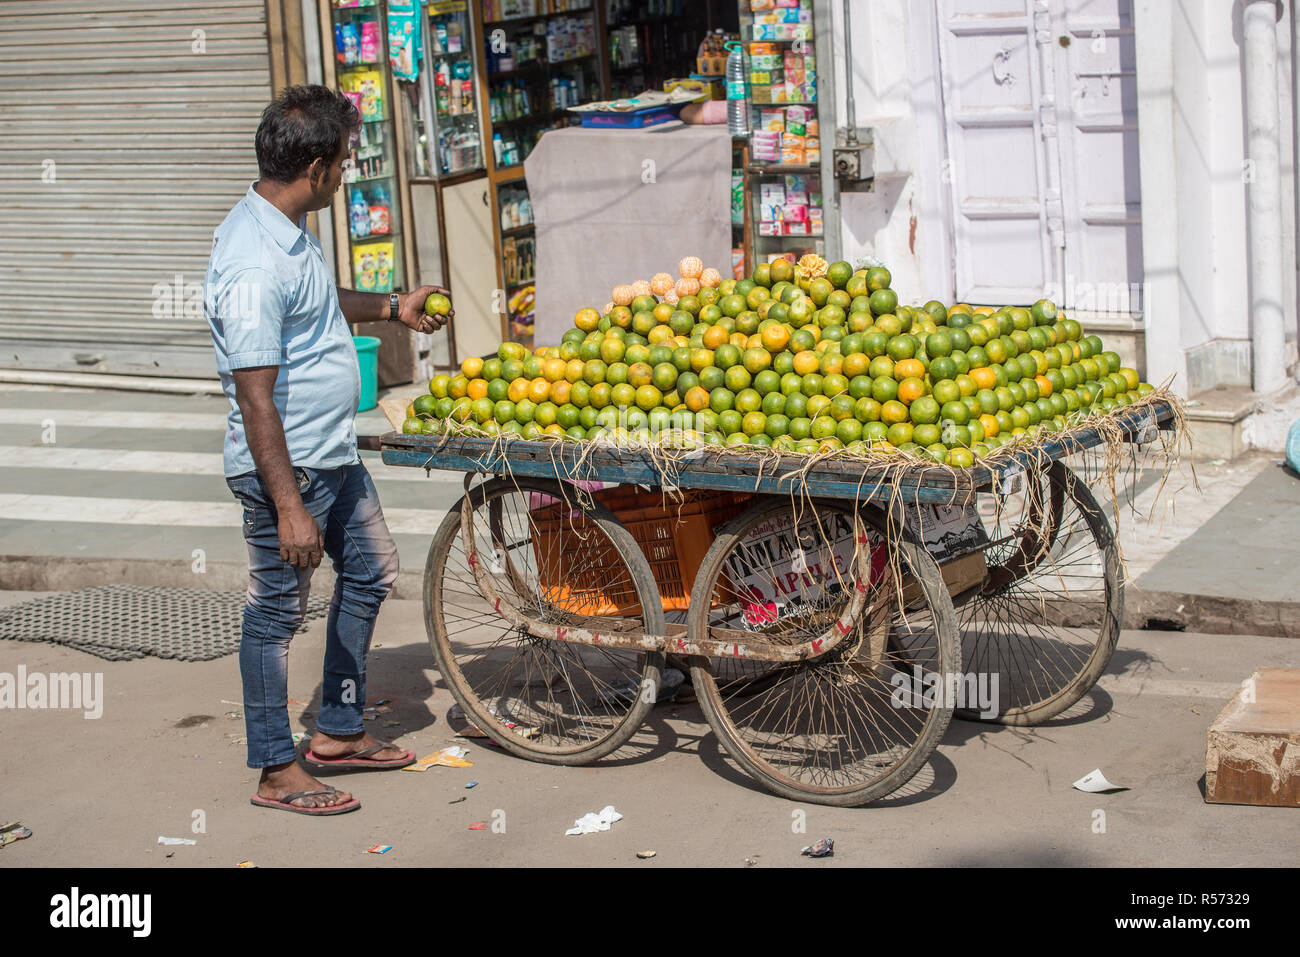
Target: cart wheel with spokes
x,y
1043,626
854,723
556,557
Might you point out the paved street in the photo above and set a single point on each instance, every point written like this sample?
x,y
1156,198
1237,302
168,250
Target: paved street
x,y
103,791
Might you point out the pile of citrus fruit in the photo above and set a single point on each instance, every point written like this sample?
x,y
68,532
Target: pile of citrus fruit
x,y
800,357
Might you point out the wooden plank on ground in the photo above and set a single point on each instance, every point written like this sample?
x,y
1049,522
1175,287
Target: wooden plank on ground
x,y
1252,753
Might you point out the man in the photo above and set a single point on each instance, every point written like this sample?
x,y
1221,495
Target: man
x,y
289,368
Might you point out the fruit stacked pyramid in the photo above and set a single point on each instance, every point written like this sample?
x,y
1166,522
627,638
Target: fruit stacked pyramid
x,y
801,357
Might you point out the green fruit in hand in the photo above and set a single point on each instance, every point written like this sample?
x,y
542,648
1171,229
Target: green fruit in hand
x,y
437,305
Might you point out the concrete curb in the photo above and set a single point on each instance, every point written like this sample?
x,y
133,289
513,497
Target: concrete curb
x,y
1209,614
1143,610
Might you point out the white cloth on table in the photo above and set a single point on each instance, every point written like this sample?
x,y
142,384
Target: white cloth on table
x,y
615,206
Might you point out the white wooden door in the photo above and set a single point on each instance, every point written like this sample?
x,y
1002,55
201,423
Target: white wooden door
x,y
1096,82
1040,113
1000,173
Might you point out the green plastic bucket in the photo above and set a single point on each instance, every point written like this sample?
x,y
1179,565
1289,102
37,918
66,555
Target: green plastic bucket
x,y
368,359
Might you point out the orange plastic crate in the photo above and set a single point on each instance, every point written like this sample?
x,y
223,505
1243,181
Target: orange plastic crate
x,y
673,536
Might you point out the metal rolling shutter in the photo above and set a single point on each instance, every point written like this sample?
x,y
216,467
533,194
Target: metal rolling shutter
x,y
121,149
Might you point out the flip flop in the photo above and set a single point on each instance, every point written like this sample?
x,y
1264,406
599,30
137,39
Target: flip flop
x,y
284,804
359,760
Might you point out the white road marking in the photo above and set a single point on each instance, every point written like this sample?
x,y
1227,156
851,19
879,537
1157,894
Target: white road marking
x,y
110,419
171,463
131,511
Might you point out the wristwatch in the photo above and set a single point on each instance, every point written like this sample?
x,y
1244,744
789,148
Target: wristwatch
x,y
394,307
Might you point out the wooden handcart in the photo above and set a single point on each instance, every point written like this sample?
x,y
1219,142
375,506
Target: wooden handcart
x,y
832,620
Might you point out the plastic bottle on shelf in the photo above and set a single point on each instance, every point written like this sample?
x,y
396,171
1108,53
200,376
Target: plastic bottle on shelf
x,y
498,149
359,213
737,99
351,44
441,81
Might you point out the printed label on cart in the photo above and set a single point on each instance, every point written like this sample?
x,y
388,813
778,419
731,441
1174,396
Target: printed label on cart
x,y
947,531
781,575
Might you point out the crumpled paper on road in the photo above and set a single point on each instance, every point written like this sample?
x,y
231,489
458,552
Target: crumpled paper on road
x,y
595,821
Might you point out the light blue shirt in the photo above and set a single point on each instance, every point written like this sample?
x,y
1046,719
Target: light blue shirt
x,y
270,300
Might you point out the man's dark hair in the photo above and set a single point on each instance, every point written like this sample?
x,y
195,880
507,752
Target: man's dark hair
x,y
304,123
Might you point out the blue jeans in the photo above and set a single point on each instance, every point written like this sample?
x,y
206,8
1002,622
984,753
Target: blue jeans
x,y
345,505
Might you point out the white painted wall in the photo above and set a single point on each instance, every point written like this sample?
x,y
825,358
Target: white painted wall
x,y
1203,163
904,222
1193,144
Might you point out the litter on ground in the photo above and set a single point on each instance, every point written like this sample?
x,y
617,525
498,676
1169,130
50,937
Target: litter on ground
x,y
595,821
1094,782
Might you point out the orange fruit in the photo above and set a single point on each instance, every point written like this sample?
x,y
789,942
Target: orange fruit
x,y
990,424
701,359
984,377
587,319
560,392
909,369
856,364
639,374
553,369
472,367
715,336
477,389
832,363
739,340
806,362
518,390
911,388
539,390
697,398
893,412
756,359
1044,385
775,337
573,370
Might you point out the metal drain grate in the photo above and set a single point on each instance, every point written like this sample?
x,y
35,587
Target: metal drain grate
x,y
122,622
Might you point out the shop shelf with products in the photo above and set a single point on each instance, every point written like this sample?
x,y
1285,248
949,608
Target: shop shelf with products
x,y
791,194
447,136
372,254
538,57
651,41
442,107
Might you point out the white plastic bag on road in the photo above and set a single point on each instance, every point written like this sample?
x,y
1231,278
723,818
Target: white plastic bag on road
x,y
595,821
